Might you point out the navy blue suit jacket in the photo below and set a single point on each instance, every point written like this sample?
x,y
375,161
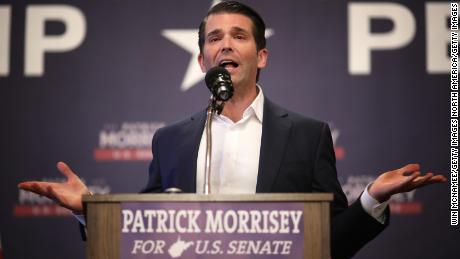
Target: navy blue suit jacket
x,y
296,155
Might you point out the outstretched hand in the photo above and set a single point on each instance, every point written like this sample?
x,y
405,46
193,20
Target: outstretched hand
x,y
404,179
67,194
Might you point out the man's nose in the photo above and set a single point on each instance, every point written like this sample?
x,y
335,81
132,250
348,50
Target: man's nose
x,y
227,44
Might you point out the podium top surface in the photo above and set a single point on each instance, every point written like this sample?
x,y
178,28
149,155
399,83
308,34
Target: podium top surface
x,y
190,197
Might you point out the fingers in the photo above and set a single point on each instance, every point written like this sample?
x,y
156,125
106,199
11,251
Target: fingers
x,y
65,169
420,180
32,186
439,178
433,179
40,188
410,177
409,169
24,185
428,179
413,179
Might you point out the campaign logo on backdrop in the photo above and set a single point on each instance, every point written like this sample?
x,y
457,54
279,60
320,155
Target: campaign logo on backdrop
x,y
338,149
401,203
34,205
126,141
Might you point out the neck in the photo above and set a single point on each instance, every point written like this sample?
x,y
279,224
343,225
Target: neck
x,y
241,100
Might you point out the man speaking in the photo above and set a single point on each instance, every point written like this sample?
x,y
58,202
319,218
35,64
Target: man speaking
x,y
258,146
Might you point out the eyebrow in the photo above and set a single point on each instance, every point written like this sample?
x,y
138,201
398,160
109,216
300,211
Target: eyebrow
x,y
238,29
233,30
214,32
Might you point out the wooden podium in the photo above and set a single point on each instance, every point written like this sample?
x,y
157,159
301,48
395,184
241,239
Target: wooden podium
x,y
104,218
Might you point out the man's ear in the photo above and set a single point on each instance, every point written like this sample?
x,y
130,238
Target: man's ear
x,y
262,57
201,62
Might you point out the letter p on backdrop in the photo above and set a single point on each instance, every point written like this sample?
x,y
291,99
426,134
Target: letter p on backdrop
x,y
37,43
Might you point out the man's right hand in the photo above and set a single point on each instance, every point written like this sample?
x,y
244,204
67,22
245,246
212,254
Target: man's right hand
x,y
67,194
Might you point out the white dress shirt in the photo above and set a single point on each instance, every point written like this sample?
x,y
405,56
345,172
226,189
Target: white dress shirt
x,y
235,151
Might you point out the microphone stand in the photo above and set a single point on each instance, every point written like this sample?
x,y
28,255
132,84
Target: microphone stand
x,y
214,107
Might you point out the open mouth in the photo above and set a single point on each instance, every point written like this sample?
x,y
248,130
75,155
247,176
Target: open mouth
x,y
228,64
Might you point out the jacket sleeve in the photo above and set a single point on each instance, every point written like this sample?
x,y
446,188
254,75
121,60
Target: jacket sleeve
x,y
154,183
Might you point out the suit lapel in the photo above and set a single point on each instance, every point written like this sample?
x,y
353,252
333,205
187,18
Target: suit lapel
x,y
275,133
190,145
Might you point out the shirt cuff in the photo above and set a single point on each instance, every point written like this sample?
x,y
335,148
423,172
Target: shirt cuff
x,y
373,207
80,218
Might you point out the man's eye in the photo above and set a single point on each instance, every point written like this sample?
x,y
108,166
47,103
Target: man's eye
x,y
214,39
239,37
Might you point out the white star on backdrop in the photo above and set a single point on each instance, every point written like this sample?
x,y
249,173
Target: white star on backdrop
x,y
188,40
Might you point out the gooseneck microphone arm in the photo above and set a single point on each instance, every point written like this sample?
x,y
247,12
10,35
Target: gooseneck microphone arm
x,y
207,170
220,84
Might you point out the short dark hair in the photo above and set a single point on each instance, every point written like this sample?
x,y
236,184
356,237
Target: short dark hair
x,y
258,25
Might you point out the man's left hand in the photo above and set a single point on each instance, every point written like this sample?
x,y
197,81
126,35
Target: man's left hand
x,y
404,179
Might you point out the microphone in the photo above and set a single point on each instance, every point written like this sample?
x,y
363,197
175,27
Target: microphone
x,y
220,84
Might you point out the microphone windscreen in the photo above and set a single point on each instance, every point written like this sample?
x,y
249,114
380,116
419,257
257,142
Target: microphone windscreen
x,y
214,73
